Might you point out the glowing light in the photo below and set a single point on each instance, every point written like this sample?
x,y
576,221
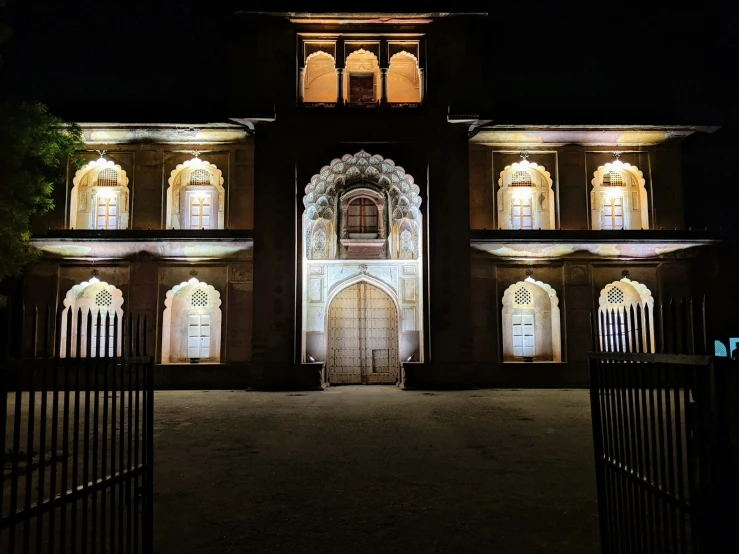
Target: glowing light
x,y
105,193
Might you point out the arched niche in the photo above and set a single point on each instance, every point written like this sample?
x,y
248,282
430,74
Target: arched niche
x,y
363,319
191,323
531,322
618,199
319,78
355,176
525,197
616,328
361,78
195,196
403,78
88,300
99,197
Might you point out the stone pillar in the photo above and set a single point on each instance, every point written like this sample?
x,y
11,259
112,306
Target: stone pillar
x,y
666,186
450,349
340,86
383,86
275,239
574,188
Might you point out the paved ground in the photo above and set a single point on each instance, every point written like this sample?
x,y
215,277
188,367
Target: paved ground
x,y
375,469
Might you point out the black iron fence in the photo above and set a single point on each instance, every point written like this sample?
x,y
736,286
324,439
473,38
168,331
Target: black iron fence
x,y
78,436
660,433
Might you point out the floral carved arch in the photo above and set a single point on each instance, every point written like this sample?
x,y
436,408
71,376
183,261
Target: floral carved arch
x,y
322,192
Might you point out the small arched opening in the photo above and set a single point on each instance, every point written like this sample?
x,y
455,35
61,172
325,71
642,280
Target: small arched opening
x,y
531,323
96,304
191,324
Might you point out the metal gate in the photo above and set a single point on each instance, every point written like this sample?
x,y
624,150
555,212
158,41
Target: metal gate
x,y
78,440
660,437
362,337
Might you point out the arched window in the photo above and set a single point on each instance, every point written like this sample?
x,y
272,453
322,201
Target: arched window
x,y
195,197
403,79
531,326
362,216
99,197
361,78
319,78
525,197
626,317
88,300
191,324
619,198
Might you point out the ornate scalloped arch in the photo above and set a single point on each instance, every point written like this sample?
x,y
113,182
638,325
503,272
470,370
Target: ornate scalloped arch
x,y
176,184
362,52
82,198
645,295
82,175
618,166
188,287
197,163
554,316
550,292
610,341
323,190
213,307
508,171
81,299
319,54
404,53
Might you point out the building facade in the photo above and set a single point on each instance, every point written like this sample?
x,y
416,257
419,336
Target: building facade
x,y
373,227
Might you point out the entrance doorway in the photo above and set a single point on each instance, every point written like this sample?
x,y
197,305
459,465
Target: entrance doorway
x,y
362,337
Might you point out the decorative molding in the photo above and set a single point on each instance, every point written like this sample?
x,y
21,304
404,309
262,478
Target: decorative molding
x,y
322,191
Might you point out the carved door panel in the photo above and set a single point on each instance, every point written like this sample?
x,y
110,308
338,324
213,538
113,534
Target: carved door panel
x,y
362,337
343,360
379,337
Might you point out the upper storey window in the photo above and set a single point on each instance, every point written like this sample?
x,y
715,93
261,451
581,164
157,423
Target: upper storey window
x,y
525,197
195,197
362,216
618,200
319,75
404,83
361,72
99,197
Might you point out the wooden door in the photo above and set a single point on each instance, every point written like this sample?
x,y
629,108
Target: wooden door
x,y
523,335
362,337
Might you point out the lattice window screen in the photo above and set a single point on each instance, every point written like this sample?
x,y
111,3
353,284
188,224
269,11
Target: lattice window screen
x,y
200,177
521,179
522,297
615,296
108,178
104,299
613,179
199,298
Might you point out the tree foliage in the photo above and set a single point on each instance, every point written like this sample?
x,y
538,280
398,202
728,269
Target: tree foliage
x,y
34,148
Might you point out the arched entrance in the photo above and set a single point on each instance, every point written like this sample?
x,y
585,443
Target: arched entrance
x,y
362,336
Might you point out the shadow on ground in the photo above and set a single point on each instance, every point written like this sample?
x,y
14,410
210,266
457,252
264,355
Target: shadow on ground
x,y
375,469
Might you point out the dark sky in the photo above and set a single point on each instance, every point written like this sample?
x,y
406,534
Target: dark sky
x,y
548,62
555,62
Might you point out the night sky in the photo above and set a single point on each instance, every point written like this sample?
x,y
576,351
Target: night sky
x,y
607,63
